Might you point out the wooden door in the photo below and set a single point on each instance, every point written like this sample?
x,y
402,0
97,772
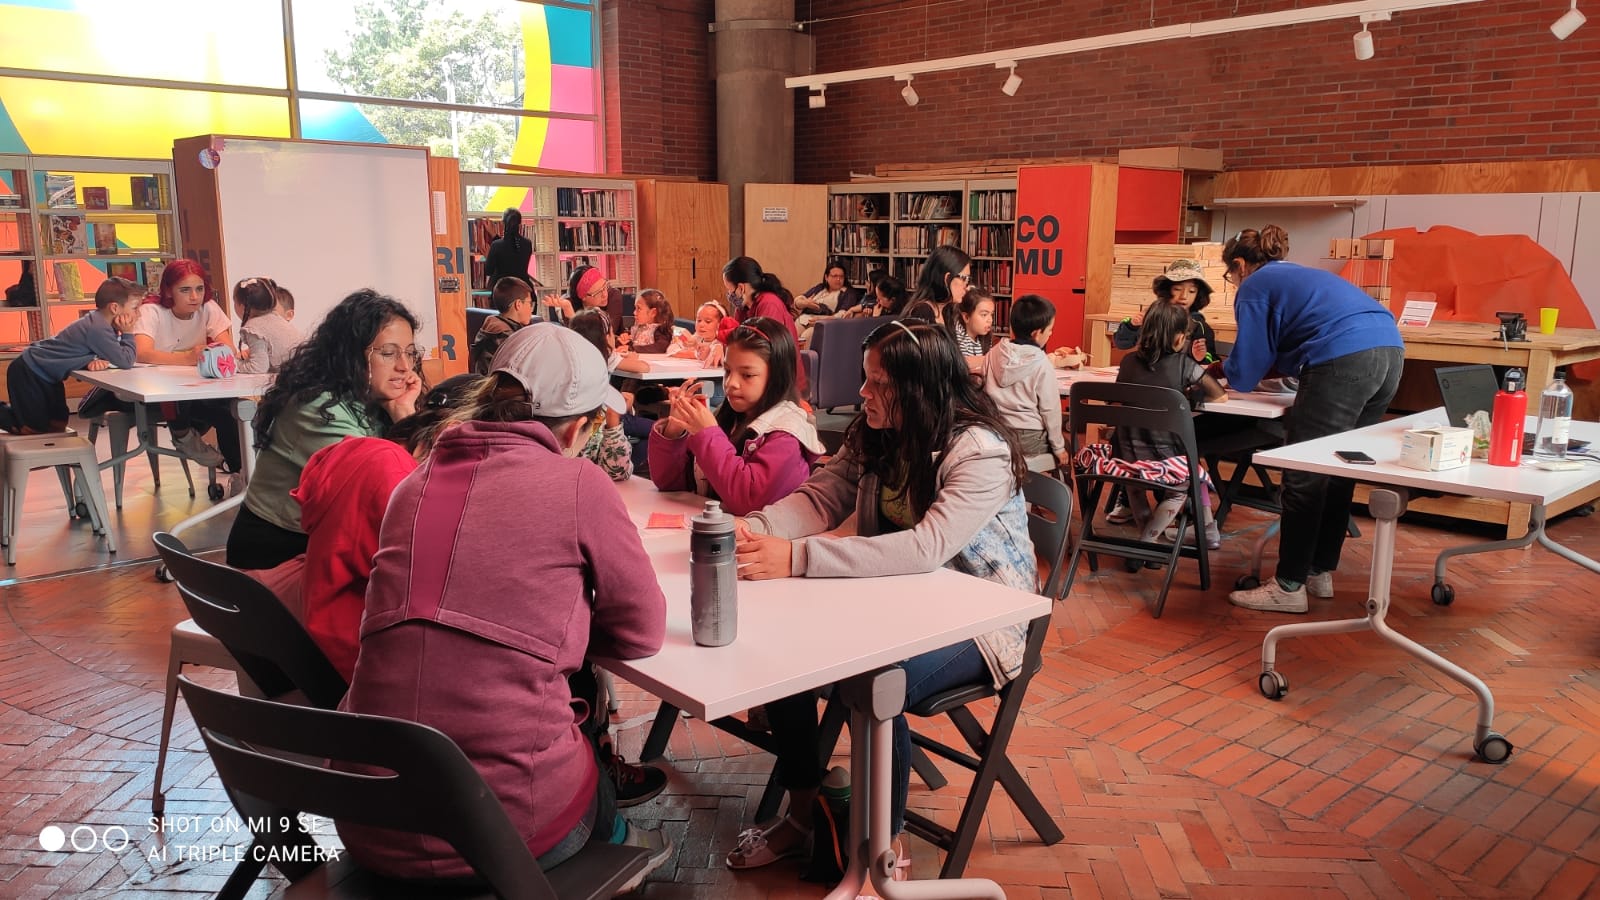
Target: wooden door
x,y
791,239
684,240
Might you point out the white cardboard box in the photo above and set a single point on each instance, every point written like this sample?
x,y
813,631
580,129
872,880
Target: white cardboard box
x,y
1436,449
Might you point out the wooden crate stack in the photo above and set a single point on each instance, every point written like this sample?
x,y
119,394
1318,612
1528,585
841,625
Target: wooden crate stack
x,y
1136,266
1368,268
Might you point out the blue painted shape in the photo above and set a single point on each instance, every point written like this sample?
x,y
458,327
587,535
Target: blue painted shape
x,y
10,139
67,5
337,120
571,36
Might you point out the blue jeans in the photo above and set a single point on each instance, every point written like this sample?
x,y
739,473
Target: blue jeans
x,y
1352,391
926,675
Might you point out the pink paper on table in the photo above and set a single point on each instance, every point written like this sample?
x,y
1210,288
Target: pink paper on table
x,y
665,520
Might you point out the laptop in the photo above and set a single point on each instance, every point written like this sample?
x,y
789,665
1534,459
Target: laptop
x,y
1467,389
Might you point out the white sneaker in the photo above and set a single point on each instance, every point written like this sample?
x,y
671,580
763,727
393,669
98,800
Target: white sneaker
x,y
1320,585
1271,598
190,445
656,842
1120,514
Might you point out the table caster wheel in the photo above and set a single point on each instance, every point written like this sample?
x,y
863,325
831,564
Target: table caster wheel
x,y
1494,748
1247,583
1273,685
1443,594
215,492
81,510
163,575
1132,565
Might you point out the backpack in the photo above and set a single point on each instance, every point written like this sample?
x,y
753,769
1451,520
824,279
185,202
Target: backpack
x,y
486,344
830,840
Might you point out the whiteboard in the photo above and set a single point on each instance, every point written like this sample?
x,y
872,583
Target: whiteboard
x,y
324,220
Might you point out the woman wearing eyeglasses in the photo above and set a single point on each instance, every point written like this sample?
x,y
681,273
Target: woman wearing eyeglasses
x,y
944,281
1346,350
357,374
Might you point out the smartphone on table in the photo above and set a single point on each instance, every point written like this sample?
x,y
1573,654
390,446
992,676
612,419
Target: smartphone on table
x,y
1355,458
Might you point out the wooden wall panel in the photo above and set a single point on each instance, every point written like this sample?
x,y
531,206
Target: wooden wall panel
x,y
1531,177
452,275
795,250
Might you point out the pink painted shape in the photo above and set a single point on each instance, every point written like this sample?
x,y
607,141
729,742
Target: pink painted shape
x,y
570,145
572,89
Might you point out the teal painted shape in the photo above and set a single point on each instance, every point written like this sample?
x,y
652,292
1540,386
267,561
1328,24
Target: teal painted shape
x,y
10,139
67,5
337,120
571,36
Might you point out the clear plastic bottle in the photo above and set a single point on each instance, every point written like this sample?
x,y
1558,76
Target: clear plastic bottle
x,y
1555,419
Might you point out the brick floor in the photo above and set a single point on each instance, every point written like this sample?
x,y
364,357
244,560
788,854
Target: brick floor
x,y
1168,772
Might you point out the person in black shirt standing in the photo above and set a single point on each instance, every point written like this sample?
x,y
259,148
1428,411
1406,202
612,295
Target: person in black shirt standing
x,y
509,254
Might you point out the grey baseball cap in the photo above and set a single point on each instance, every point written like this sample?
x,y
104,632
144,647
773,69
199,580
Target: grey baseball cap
x,y
563,374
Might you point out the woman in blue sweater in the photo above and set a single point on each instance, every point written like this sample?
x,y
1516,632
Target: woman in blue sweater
x,y
1346,350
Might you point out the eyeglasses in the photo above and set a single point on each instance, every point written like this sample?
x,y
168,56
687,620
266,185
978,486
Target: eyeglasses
x,y
964,276
390,353
599,287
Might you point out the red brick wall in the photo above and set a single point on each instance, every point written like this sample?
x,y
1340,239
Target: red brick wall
x,y
660,104
1480,82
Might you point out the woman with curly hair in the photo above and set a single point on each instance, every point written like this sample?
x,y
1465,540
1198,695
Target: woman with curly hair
x,y
356,375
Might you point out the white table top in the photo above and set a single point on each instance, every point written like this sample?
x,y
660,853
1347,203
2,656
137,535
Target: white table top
x,y
795,634
1523,484
1255,405
670,368
160,384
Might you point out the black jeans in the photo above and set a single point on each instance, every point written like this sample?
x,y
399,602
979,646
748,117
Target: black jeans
x,y
1349,392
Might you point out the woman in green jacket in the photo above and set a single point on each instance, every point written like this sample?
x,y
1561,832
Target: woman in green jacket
x,y
356,375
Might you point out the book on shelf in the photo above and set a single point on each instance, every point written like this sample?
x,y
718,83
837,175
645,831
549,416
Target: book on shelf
x,y
993,274
858,207
990,240
924,238
928,206
146,191
591,203
128,271
66,234
602,237
10,201
96,198
992,205
69,284
105,238
855,238
60,191
152,275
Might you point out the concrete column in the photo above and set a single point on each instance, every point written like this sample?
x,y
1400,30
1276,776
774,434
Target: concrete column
x,y
755,42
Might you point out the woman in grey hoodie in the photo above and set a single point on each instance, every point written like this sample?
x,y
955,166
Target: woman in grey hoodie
x,y
935,479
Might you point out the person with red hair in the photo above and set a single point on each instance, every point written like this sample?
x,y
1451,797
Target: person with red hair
x,y
175,325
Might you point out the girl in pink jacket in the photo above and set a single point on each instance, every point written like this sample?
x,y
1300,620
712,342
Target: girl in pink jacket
x,y
759,445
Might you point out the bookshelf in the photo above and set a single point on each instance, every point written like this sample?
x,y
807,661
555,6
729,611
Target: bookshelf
x,y
70,222
894,225
570,222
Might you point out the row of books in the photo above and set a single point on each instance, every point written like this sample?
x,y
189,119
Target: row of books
x,y
60,192
1000,205
858,207
486,230
923,238
67,235
990,240
927,206
619,270
607,237
591,202
856,238
856,268
992,274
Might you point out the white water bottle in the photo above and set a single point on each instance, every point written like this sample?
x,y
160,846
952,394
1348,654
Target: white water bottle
x,y
1555,419
713,578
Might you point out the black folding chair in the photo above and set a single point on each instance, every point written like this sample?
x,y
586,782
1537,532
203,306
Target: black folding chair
x,y
1049,525
416,780
1155,409
270,644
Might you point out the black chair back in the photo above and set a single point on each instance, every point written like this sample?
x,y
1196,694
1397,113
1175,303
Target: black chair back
x,y
1050,533
476,316
414,779
1151,408
266,639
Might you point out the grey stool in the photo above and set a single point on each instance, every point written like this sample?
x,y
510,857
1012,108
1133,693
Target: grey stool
x,y
62,453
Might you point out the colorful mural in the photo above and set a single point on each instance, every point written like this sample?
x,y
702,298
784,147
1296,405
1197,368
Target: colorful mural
x,y
222,45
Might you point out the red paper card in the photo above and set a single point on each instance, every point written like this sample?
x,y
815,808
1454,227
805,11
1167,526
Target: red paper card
x,y
665,520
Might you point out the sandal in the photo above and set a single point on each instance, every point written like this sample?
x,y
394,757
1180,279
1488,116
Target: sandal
x,y
752,851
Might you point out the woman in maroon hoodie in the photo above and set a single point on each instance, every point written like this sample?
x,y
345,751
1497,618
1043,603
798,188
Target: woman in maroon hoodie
x,y
489,589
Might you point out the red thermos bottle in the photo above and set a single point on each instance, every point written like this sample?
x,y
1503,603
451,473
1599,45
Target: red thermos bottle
x,y
1506,421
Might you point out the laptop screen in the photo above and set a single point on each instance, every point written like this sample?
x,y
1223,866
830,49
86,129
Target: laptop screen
x,y
1467,389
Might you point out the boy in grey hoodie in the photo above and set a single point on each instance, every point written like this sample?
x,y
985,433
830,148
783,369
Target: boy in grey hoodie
x,y
97,340
1018,376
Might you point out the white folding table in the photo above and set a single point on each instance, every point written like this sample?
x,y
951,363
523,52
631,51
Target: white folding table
x,y
1521,484
143,385
798,634
671,368
1253,404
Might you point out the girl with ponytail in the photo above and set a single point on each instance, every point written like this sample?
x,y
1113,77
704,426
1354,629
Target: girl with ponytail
x,y
509,254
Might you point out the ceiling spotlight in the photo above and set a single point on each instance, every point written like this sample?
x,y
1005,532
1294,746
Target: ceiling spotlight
x,y
1363,41
1570,21
1014,81
1363,38
908,93
820,98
